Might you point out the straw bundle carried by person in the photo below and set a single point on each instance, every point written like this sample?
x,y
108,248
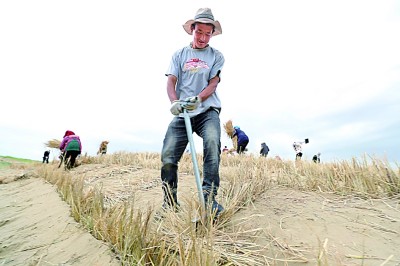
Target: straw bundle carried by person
x,y
229,130
54,143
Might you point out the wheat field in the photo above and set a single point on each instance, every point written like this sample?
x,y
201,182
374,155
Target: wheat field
x,y
272,207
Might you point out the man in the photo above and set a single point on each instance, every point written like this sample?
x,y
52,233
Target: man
x,y
193,76
242,139
264,150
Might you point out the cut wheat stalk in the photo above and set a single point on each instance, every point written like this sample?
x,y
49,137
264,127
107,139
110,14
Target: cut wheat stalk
x,y
53,143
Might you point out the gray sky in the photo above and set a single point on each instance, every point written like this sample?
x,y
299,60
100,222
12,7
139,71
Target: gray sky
x,y
324,70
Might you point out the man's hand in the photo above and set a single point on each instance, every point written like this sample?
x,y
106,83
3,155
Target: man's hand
x,y
176,108
192,103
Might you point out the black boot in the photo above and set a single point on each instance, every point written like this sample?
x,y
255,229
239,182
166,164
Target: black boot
x,y
213,205
170,198
170,203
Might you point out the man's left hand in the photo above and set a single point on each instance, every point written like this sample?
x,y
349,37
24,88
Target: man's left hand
x,y
191,103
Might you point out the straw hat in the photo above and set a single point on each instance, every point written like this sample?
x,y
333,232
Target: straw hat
x,y
203,15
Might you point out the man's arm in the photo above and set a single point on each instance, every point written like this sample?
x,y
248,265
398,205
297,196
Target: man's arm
x,y
171,84
210,89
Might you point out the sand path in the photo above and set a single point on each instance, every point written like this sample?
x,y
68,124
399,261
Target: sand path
x,y
36,229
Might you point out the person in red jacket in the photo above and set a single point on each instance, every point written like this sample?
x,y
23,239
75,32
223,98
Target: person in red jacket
x,y
70,147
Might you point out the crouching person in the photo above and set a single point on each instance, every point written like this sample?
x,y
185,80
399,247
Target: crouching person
x,y
70,147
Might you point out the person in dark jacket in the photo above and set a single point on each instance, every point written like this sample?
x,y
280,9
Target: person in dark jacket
x,y
242,139
46,156
264,149
71,147
317,158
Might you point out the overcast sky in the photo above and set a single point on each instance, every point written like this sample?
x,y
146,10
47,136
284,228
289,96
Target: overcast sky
x,y
324,70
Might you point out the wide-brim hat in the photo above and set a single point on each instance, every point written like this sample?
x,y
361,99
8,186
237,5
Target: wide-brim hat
x,y
203,15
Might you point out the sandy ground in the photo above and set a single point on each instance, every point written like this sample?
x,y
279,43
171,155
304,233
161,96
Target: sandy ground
x,y
341,231
36,229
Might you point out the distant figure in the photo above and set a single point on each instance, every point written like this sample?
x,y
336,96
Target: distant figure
x,y
46,156
71,147
297,146
317,158
264,149
103,147
225,149
242,139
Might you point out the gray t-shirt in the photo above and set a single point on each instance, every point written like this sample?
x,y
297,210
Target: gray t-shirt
x,y
193,69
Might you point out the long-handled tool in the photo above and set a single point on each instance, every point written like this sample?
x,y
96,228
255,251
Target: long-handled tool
x,y
194,159
62,156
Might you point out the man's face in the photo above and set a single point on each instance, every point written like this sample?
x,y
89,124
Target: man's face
x,y
201,35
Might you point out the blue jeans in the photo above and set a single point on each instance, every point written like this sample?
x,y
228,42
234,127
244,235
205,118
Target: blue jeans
x,y
207,126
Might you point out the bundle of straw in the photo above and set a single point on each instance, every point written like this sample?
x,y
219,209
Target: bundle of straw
x,y
54,143
229,130
103,145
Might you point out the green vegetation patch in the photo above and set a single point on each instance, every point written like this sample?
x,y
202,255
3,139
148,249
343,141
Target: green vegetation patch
x,y
6,161
4,164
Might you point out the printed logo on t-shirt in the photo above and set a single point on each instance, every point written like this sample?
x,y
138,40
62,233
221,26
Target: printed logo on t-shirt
x,y
194,65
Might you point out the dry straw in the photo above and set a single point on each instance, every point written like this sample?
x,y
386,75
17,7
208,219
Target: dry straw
x,y
54,143
139,240
229,130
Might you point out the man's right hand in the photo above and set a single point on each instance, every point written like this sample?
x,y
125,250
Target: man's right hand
x,y
176,108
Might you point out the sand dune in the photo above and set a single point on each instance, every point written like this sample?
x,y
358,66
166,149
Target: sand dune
x,y
36,229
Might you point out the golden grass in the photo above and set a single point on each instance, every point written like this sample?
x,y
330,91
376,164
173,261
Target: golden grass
x,y
139,240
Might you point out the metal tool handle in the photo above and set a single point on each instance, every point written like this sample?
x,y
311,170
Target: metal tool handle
x,y
194,159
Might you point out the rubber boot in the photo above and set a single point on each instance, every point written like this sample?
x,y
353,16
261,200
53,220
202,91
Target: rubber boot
x,y
170,199
213,205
